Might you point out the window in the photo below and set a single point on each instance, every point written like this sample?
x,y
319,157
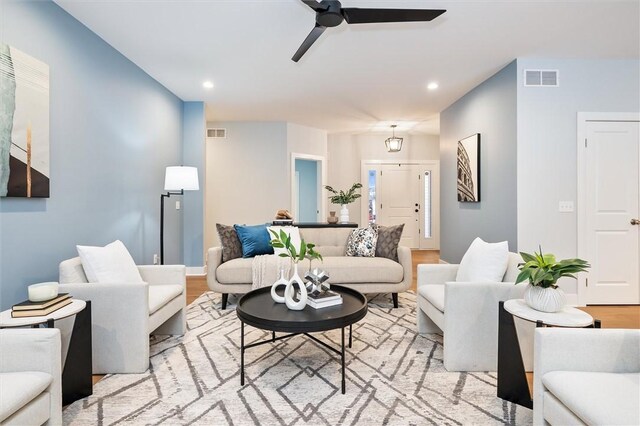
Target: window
x,y
372,196
427,204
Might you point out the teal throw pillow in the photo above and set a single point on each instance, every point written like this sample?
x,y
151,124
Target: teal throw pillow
x,y
254,239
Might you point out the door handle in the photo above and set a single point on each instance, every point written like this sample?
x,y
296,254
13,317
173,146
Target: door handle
x,y
635,221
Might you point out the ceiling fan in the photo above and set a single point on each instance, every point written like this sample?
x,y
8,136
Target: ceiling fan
x,y
330,13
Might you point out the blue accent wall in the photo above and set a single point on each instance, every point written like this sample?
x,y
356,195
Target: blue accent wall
x,y
491,110
113,130
193,149
308,192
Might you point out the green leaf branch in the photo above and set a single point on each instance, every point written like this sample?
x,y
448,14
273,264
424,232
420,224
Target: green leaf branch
x,y
305,251
341,197
544,270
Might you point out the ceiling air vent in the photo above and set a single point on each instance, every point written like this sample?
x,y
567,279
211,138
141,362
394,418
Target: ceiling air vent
x,y
216,133
541,78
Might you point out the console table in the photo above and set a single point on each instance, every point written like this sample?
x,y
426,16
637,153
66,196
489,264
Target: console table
x,y
512,379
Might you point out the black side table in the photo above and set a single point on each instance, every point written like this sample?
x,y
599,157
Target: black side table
x,y
258,309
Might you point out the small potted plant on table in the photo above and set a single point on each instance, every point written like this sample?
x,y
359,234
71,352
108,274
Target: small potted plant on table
x,y
543,272
343,198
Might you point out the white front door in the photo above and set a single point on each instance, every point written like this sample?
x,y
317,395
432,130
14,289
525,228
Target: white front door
x,y
612,209
399,201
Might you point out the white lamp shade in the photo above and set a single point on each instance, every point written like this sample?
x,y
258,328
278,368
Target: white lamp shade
x,y
178,178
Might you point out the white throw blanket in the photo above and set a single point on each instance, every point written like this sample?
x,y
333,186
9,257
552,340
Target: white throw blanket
x,y
266,270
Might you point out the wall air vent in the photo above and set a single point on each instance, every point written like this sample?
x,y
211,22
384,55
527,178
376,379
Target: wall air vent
x,y
216,133
541,78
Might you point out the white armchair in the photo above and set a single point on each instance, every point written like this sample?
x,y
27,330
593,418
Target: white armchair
x,y
586,376
30,377
124,314
466,313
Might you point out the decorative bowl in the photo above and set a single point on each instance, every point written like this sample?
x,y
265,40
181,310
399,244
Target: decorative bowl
x,y
42,291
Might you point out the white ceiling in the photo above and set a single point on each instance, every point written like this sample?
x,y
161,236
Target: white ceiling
x,y
356,75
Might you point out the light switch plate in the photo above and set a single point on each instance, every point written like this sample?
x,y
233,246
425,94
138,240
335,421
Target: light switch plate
x,y
565,206
177,205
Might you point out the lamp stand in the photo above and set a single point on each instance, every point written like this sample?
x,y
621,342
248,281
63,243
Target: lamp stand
x,y
162,197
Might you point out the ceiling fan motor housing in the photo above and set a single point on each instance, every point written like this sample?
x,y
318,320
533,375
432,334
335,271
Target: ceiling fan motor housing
x,y
331,17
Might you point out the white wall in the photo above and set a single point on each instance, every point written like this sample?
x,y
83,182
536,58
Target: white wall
x,y
547,132
247,175
249,172
346,152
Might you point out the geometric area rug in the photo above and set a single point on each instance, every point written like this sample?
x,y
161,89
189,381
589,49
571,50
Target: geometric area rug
x,y
394,377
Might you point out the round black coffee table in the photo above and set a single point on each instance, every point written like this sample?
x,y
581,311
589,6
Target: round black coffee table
x,y
258,309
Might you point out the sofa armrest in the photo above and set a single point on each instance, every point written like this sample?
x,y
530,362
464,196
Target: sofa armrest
x,y
120,323
582,349
163,274
436,273
404,258
39,349
214,259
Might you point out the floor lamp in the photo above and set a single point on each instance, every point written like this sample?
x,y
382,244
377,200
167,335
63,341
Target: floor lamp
x,y
177,179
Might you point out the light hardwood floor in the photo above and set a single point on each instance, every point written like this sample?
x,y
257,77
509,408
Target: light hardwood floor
x,y
611,316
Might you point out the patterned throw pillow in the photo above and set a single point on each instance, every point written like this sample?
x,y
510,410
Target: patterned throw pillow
x,y
231,246
388,240
362,242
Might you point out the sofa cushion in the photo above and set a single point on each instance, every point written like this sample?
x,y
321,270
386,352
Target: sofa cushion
x,y
556,413
109,264
354,270
329,242
362,242
597,398
388,240
254,239
160,295
18,389
434,293
231,247
236,271
484,262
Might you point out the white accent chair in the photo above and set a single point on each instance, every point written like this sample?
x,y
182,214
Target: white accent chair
x,y
124,314
466,313
30,377
586,376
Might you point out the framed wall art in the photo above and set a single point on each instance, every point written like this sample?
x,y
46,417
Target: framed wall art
x,y
469,169
24,125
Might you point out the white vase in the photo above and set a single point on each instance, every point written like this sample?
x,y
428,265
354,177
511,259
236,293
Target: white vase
x,y
545,299
282,281
290,291
344,214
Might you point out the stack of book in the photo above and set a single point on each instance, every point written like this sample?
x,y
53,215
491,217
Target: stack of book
x,y
323,299
38,309
282,222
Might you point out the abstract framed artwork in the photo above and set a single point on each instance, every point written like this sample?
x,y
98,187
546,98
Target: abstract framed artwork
x,y
24,125
469,169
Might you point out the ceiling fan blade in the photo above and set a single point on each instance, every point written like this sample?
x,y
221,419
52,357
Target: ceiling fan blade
x,y
354,15
313,4
306,44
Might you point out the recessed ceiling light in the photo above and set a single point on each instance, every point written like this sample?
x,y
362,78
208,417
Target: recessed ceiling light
x,y
432,86
207,85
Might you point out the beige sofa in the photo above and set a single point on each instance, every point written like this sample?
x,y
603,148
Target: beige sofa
x,y
365,274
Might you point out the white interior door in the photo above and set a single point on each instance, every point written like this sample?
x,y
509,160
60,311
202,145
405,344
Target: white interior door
x,y
612,207
399,201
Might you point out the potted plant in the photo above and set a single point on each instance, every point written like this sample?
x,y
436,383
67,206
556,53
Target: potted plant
x,y
543,272
343,198
305,251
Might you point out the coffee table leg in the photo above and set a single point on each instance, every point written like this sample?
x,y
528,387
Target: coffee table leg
x,y
342,356
273,336
241,353
350,331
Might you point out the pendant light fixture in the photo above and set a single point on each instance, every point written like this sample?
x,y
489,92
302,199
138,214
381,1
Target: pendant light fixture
x,y
394,144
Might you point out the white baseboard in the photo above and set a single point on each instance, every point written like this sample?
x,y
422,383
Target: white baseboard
x,y
196,270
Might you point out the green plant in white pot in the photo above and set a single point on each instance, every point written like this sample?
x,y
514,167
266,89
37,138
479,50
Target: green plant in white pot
x,y
343,198
543,272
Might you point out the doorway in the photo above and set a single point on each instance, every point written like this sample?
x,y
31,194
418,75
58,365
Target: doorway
x,y
406,193
307,181
609,208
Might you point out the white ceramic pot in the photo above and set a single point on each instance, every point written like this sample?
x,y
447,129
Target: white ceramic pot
x,y
344,214
545,299
42,291
295,283
280,282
